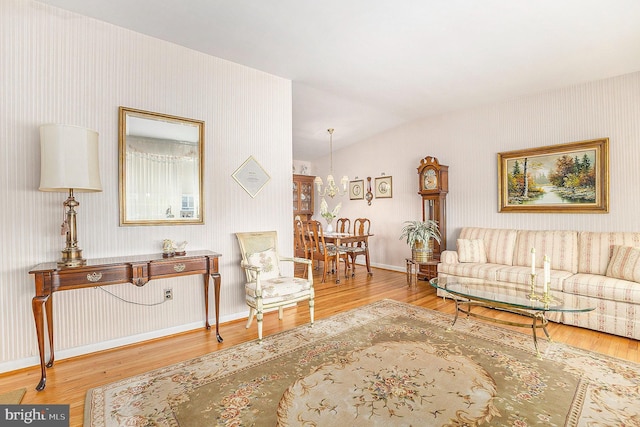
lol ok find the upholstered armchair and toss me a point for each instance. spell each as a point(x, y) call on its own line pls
point(266, 287)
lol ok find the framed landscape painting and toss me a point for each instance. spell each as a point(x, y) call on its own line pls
point(564, 178)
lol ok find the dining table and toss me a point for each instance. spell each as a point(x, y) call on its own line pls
point(341, 239)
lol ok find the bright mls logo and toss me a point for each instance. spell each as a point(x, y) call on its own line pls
point(34, 415)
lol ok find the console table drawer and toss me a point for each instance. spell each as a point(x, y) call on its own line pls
point(97, 277)
point(177, 267)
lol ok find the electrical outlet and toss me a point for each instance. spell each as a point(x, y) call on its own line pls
point(168, 293)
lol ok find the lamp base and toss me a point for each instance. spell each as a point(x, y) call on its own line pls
point(71, 258)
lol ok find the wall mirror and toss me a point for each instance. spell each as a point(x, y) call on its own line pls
point(161, 168)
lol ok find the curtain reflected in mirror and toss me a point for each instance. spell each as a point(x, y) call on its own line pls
point(161, 159)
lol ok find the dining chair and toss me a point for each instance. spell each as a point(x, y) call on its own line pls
point(320, 251)
point(361, 227)
point(266, 287)
point(299, 246)
point(343, 225)
point(301, 241)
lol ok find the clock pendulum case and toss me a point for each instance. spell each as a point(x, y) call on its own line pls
point(434, 186)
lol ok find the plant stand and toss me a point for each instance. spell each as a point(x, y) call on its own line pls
point(421, 270)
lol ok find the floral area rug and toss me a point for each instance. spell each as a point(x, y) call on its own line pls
point(386, 364)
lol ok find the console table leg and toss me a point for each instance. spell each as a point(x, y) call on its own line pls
point(206, 300)
point(216, 287)
point(48, 307)
point(36, 305)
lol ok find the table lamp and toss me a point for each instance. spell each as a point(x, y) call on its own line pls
point(68, 163)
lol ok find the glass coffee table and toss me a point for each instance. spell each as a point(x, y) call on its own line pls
point(509, 297)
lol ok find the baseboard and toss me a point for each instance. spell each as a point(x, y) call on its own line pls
point(119, 342)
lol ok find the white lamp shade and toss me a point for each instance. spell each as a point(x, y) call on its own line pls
point(69, 159)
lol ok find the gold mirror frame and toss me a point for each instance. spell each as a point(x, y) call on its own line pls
point(179, 199)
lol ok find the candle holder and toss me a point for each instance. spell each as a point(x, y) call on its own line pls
point(546, 298)
point(532, 292)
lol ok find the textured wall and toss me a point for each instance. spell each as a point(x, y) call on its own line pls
point(60, 67)
point(468, 142)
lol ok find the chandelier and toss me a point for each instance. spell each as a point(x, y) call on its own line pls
point(331, 189)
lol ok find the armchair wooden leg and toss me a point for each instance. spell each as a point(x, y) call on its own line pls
point(259, 321)
point(311, 309)
point(252, 313)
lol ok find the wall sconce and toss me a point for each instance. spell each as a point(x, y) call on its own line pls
point(68, 163)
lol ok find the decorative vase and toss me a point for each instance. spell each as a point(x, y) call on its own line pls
point(329, 227)
point(422, 252)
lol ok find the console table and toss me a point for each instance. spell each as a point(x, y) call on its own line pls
point(138, 270)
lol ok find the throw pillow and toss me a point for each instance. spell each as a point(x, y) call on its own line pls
point(625, 263)
point(471, 250)
point(267, 261)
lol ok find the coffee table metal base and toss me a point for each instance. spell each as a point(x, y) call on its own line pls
point(538, 320)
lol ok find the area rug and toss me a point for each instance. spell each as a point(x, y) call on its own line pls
point(12, 397)
point(386, 364)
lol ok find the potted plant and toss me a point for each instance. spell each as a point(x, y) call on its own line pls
point(420, 236)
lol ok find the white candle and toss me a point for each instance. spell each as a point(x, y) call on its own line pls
point(533, 260)
point(547, 274)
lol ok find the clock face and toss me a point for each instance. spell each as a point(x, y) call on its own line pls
point(430, 180)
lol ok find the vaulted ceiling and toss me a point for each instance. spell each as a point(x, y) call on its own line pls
point(365, 66)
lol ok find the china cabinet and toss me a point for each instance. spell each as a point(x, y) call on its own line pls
point(303, 196)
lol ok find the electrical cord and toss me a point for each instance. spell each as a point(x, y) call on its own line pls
point(130, 302)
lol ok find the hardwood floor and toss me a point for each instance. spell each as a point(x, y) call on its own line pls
point(68, 380)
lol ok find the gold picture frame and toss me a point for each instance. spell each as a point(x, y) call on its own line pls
point(383, 187)
point(356, 190)
point(563, 178)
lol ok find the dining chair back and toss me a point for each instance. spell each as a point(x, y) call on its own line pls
point(343, 225)
point(320, 251)
point(299, 244)
point(361, 226)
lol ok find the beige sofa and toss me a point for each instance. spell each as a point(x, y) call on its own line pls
point(601, 267)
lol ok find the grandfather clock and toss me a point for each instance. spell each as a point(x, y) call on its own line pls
point(434, 186)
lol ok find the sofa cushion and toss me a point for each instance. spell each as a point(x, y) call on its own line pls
point(279, 289)
point(595, 249)
point(449, 257)
point(625, 263)
point(471, 250)
point(268, 262)
point(522, 276)
point(474, 270)
point(561, 247)
point(498, 243)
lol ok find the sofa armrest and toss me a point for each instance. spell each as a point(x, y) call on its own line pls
point(449, 257)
